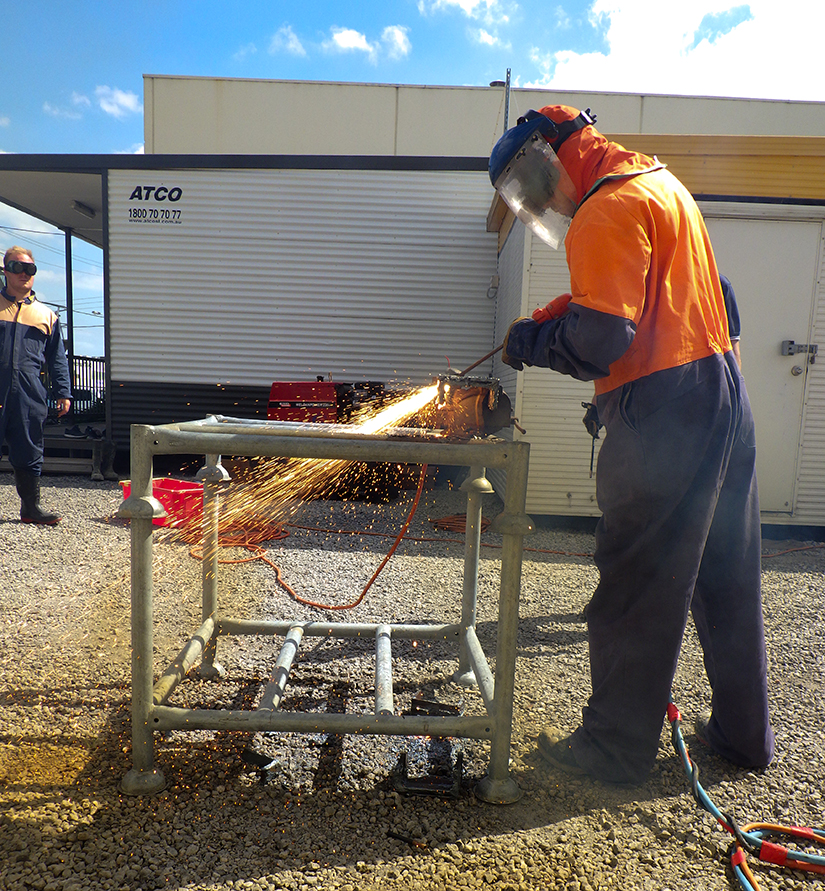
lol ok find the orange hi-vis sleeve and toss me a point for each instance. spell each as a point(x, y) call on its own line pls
point(638, 248)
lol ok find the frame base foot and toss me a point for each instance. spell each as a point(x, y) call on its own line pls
point(210, 671)
point(498, 791)
point(465, 678)
point(143, 782)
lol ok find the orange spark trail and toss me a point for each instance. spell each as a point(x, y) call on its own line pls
point(263, 498)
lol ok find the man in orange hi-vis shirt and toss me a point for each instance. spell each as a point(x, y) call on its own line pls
point(676, 484)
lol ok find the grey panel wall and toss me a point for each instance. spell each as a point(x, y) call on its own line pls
point(250, 276)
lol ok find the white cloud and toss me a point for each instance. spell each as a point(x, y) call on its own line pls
point(488, 11)
point(482, 10)
point(712, 47)
point(74, 112)
point(136, 149)
point(563, 20)
point(84, 280)
point(491, 14)
point(396, 41)
point(244, 52)
point(484, 38)
point(286, 40)
point(346, 39)
point(4, 120)
point(57, 112)
point(118, 103)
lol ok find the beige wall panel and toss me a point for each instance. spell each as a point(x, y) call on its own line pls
point(620, 112)
point(451, 122)
point(743, 117)
point(227, 116)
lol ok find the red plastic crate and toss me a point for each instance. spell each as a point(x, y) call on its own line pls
point(183, 500)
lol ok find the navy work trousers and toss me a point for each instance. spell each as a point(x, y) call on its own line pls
point(680, 530)
point(22, 430)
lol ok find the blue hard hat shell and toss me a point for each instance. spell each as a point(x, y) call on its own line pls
point(505, 149)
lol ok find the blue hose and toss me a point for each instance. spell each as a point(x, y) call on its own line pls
point(753, 839)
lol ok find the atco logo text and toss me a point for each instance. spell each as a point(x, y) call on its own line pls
point(159, 193)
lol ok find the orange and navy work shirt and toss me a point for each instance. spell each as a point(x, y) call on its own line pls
point(637, 248)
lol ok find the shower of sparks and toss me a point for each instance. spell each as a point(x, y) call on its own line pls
point(268, 493)
point(393, 414)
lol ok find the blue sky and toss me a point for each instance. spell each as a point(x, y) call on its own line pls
point(72, 81)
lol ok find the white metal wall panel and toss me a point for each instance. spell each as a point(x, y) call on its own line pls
point(508, 306)
point(260, 275)
point(810, 500)
point(548, 405)
point(552, 412)
point(773, 266)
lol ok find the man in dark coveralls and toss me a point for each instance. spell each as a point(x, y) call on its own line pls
point(30, 338)
point(680, 526)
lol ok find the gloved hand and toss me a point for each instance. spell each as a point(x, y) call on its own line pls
point(513, 349)
point(555, 309)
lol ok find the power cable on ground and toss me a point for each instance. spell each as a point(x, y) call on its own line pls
point(751, 838)
point(251, 540)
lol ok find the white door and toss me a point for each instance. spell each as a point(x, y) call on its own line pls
point(772, 266)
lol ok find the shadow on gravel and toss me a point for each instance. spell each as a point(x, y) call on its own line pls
point(325, 804)
point(217, 820)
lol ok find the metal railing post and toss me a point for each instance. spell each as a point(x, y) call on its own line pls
point(214, 478)
point(498, 786)
point(475, 486)
point(141, 507)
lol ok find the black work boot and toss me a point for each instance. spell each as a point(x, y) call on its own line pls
point(28, 488)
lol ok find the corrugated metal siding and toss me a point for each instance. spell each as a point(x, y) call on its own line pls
point(552, 412)
point(757, 166)
point(547, 405)
point(284, 274)
point(509, 305)
point(150, 402)
point(810, 499)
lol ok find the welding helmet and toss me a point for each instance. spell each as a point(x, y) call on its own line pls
point(526, 172)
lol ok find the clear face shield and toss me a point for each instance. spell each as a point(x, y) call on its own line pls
point(538, 190)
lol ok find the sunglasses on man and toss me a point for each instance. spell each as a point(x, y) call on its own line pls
point(18, 266)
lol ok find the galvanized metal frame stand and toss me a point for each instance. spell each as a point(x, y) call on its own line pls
point(218, 435)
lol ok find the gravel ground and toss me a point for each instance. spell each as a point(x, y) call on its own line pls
point(326, 812)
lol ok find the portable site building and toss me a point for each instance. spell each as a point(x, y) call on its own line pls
point(227, 278)
point(361, 244)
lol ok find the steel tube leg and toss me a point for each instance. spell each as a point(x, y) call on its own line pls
point(383, 671)
point(475, 486)
point(498, 786)
point(274, 692)
point(214, 478)
point(141, 507)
